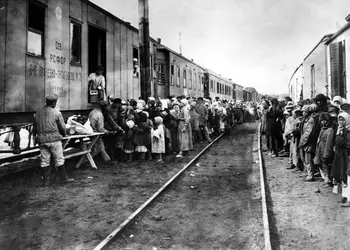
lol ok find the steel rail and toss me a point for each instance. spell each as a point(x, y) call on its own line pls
point(267, 235)
point(134, 214)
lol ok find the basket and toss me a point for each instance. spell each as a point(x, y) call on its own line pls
point(93, 96)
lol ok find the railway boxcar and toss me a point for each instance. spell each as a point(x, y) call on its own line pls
point(177, 75)
point(50, 47)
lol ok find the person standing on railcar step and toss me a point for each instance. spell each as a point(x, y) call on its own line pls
point(97, 82)
point(49, 129)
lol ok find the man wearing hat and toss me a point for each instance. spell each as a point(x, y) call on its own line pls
point(49, 129)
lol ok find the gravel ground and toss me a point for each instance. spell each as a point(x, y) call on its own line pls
point(303, 215)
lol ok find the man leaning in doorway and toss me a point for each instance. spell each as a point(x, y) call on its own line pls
point(97, 82)
point(49, 129)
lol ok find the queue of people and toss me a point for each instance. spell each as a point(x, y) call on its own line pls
point(140, 130)
point(314, 134)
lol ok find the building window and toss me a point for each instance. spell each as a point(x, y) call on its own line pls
point(190, 80)
point(36, 29)
point(135, 62)
point(172, 72)
point(218, 87)
point(185, 81)
point(75, 42)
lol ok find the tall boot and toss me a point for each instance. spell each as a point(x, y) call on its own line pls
point(45, 172)
point(63, 175)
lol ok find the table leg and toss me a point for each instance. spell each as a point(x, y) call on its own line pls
point(88, 155)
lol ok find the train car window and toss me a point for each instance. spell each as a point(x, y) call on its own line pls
point(202, 83)
point(185, 80)
point(190, 80)
point(135, 60)
point(178, 77)
point(194, 81)
point(161, 68)
point(36, 29)
point(75, 42)
point(172, 72)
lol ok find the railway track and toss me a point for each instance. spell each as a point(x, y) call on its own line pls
point(259, 174)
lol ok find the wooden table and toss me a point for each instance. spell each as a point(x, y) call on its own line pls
point(85, 149)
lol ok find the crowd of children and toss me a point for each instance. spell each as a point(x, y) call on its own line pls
point(314, 134)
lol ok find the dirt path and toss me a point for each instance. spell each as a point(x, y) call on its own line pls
point(214, 205)
point(80, 215)
point(303, 215)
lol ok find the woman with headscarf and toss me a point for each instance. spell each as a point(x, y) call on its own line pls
point(172, 121)
point(158, 137)
point(194, 121)
point(184, 130)
point(342, 147)
point(337, 101)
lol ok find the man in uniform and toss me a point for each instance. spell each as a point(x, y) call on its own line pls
point(49, 129)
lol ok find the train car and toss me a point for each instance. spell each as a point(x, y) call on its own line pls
point(237, 94)
point(51, 47)
point(247, 95)
point(177, 75)
point(218, 86)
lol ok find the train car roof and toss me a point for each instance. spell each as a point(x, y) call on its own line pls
point(163, 47)
point(128, 24)
point(251, 89)
point(219, 76)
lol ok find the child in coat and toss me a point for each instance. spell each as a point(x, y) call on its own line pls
point(324, 147)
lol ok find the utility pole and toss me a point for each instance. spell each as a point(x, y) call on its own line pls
point(145, 69)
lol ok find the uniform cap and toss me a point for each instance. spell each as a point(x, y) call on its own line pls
point(52, 98)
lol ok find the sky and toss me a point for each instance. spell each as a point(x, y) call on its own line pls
point(256, 43)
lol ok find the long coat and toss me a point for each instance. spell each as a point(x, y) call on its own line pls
point(324, 146)
point(340, 162)
point(184, 130)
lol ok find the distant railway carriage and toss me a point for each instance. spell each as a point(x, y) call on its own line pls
point(218, 86)
point(177, 75)
point(237, 92)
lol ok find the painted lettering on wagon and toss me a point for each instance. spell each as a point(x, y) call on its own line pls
point(57, 59)
point(39, 71)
